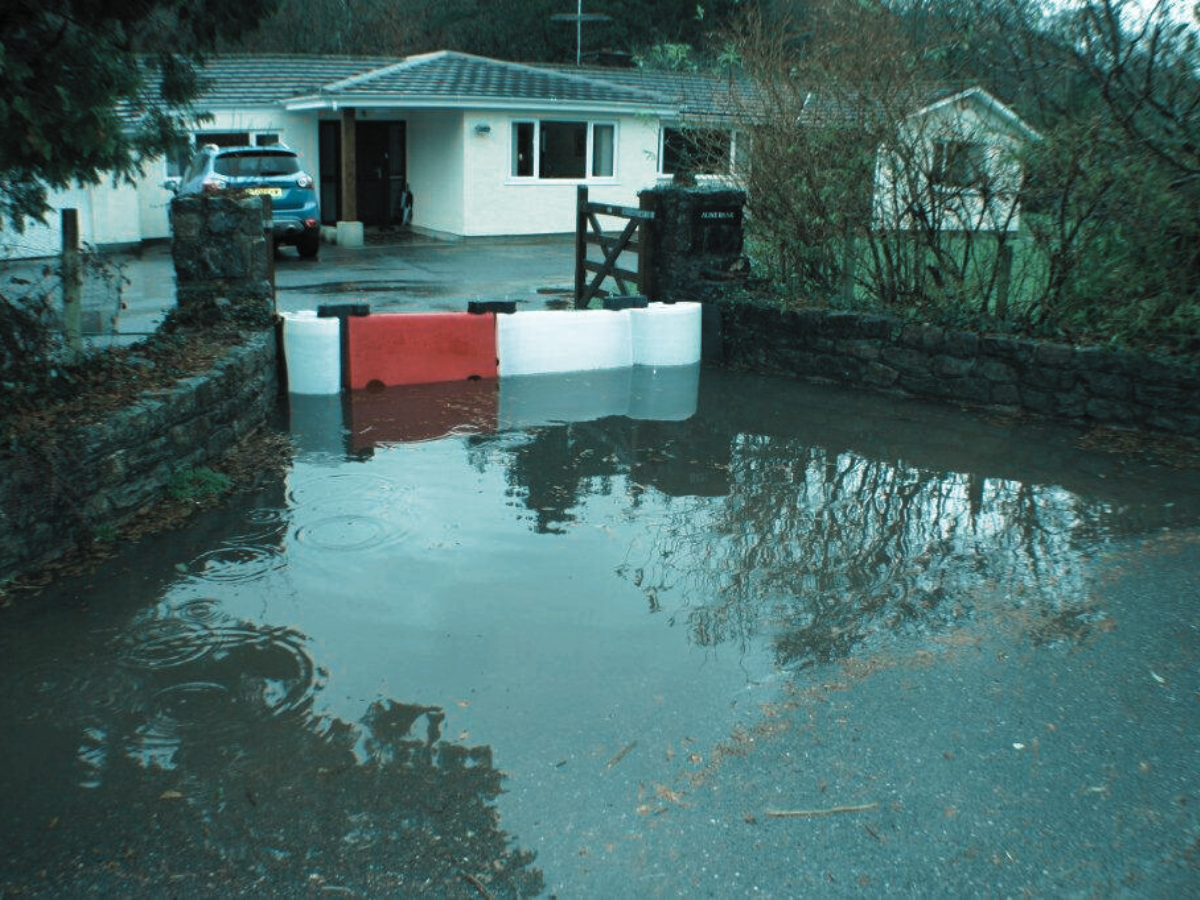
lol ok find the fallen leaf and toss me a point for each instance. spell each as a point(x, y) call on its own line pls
point(170, 795)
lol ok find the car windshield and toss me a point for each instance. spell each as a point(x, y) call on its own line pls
point(256, 163)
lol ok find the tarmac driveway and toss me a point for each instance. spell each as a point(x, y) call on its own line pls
point(401, 272)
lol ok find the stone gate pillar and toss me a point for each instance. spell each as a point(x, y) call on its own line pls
point(698, 240)
point(224, 260)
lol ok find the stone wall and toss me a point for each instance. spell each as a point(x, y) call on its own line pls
point(1085, 384)
point(224, 259)
point(91, 478)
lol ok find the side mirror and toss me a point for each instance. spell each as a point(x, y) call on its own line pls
point(172, 184)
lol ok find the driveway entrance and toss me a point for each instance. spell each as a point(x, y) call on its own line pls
point(395, 271)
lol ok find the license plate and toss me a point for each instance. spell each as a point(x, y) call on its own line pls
point(265, 192)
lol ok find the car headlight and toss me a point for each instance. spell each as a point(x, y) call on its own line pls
point(304, 180)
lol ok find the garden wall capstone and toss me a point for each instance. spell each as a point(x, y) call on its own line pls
point(89, 478)
point(1083, 384)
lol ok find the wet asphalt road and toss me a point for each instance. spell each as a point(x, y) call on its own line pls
point(400, 272)
point(1001, 760)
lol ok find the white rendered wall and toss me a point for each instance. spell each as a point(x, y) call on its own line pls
point(497, 203)
point(436, 170)
point(39, 240)
point(115, 215)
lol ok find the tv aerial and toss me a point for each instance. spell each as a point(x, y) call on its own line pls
point(579, 17)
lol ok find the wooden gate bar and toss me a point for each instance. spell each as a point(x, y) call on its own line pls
point(634, 237)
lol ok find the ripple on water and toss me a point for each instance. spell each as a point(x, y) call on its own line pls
point(165, 644)
point(212, 676)
point(235, 563)
point(331, 493)
point(348, 532)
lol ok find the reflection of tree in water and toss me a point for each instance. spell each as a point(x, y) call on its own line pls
point(203, 768)
point(551, 470)
point(822, 549)
point(827, 550)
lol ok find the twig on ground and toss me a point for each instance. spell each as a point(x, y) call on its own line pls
point(620, 756)
point(817, 813)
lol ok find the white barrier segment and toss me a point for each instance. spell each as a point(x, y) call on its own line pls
point(666, 334)
point(527, 401)
point(313, 353)
point(317, 424)
point(664, 394)
point(538, 342)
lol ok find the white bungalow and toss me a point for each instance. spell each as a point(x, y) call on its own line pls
point(486, 147)
point(954, 166)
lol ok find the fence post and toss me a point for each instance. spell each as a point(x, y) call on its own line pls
point(581, 224)
point(72, 280)
point(1003, 277)
point(646, 231)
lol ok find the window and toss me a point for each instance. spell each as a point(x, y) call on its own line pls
point(178, 156)
point(223, 138)
point(959, 165)
point(254, 163)
point(701, 151)
point(603, 141)
point(554, 150)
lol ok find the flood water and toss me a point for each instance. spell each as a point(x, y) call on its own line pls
point(581, 635)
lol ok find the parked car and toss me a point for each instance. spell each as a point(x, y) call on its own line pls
point(274, 171)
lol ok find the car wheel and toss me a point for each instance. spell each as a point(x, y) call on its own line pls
point(309, 244)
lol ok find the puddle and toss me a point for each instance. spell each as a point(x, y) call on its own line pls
point(488, 640)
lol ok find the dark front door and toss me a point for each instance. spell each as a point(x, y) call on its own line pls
point(380, 171)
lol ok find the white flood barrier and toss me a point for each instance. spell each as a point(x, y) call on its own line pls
point(527, 401)
point(318, 426)
point(538, 342)
point(312, 348)
point(667, 394)
point(666, 334)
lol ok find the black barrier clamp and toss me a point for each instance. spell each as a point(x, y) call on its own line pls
point(630, 301)
point(479, 307)
point(341, 310)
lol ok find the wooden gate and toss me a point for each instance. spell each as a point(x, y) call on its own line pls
point(635, 237)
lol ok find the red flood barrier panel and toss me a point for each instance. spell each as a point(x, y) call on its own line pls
point(424, 412)
point(419, 348)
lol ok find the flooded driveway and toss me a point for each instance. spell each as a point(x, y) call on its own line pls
point(565, 637)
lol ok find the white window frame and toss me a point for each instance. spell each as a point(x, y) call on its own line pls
point(589, 153)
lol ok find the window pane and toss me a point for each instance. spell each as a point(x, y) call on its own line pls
point(701, 151)
point(959, 164)
point(223, 138)
point(522, 149)
point(674, 150)
point(564, 150)
point(178, 156)
point(253, 163)
point(602, 150)
point(265, 140)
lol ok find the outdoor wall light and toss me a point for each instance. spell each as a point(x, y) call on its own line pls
point(483, 129)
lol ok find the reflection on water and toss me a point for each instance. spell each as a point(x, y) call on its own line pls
point(317, 688)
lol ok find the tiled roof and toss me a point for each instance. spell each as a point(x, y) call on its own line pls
point(693, 94)
point(460, 76)
point(256, 80)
